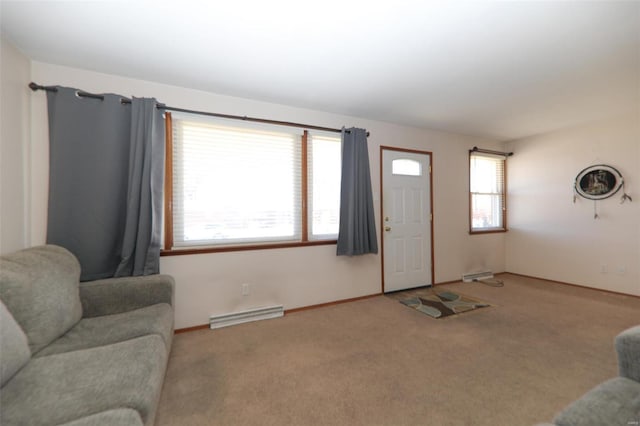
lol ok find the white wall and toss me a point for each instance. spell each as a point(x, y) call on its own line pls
point(14, 136)
point(211, 283)
point(550, 236)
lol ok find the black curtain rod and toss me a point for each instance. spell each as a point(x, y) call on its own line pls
point(489, 151)
point(33, 86)
point(253, 119)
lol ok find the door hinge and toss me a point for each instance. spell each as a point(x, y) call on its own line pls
point(431, 217)
point(429, 169)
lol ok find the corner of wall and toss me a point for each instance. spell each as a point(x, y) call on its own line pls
point(15, 139)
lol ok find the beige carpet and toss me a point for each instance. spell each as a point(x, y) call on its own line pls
point(376, 362)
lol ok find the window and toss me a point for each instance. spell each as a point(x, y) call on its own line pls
point(246, 185)
point(487, 203)
point(406, 167)
point(324, 160)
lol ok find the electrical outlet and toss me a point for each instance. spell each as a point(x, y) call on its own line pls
point(604, 269)
point(245, 289)
point(621, 270)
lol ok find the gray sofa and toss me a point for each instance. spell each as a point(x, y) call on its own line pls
point(80, 354)
point(616, 401)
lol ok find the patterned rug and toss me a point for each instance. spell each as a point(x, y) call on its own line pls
point(442, 305)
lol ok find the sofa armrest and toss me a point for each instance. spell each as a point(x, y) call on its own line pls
point(628, 348)
point(116, 295)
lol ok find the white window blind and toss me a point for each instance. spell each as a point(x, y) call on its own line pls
point(487, 192)
point(234, 185)
point(324, 163)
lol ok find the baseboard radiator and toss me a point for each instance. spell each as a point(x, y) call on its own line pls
point(225, 320)
point(477, 276)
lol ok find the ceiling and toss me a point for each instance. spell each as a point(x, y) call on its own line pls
point(497, 69)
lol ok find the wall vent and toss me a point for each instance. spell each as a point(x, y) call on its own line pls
point(477, 276)
point(219, 321)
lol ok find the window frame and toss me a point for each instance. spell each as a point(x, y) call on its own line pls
point(504, 227)
point(168, 248)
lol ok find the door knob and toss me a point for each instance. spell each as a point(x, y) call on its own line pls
point(387, 228)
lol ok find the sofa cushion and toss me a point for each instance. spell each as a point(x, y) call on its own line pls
point(628, 349)
point(61, 388)
point(614, 402)
point(39, 286)
point(120, 417)
point(14, 345)
point(108, 329)
point(115, 295)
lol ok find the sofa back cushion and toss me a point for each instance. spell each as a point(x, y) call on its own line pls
point(39, 286)
point(628, 348)
point(15, 348)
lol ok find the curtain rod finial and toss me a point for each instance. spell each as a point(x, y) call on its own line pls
point(34, 86)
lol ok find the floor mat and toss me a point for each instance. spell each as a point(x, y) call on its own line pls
point(442, 305)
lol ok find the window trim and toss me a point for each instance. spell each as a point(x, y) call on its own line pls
point(167, 246)
point(505, 227)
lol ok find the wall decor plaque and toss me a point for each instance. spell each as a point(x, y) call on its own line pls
point(598, 182)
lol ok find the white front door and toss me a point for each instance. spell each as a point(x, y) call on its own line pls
point(406, 219)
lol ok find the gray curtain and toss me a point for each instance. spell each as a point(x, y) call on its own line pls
point(357, 233)
point(142, 231)
point(106, 173)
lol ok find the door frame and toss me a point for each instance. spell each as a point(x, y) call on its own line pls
point(413, 151)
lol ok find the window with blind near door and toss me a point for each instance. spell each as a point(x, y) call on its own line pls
point(245, 184)
point(487, 200)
